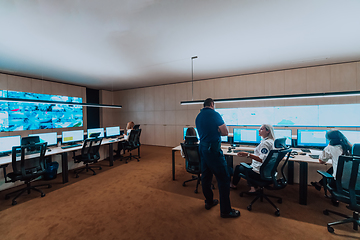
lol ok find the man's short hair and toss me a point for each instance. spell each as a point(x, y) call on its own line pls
point(207, 102)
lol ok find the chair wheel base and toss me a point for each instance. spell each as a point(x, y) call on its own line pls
point(277, 213)
point(330, 229)
point(43, 195)
point(100, 168)
point(196, 191)
point(14, 203)
point(184, 184)
point(249, 208)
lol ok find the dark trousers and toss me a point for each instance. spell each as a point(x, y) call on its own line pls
point(213, 163)
point(240, 169)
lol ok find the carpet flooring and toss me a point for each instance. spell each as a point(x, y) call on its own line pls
point(139, 200)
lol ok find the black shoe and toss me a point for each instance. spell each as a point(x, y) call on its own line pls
point(233, 214)
point(316, 185)
point(209, 206)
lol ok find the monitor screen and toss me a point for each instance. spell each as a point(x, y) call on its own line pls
point(6, 143)
point(72, 136)
point(50, 138)
point(112, 131)
point(95, 130)
point(246, 135)
point(352, 136)
point(197, 134)
point(284, 133)
point(224, 139)
point(311, 138)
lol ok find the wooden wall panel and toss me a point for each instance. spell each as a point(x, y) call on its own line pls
point(295, 81)
point(343, 77)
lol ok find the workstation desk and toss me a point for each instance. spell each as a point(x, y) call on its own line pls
point(51, 151)
point(303, 161)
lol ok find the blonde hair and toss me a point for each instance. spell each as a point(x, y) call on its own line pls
point(269, 128)
point(130, 125)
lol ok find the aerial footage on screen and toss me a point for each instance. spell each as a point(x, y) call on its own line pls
point(314, 115)
point(18, 116)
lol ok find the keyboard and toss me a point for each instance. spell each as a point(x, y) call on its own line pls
point(238, 150)
point(314, 156)
point(71, 146)
point(305, 150)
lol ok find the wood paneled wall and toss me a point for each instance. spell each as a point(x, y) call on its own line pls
point(162, 118)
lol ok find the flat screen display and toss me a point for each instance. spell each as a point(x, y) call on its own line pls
point(19, 116)
point(352, 136)
point(197, 134)
point(50, 138)
point(72, 136)
point(246, 135)
point(112, 131)
point(95, 130)
point(6, 143)
point(224, 139)
point(284, 133)
point(311, 138)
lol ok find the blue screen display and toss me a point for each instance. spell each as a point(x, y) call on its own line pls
point(246, 135)
point(311, 138)
point(19, 116)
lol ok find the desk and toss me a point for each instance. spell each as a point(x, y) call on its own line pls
point(5, 161)
point(303, 160)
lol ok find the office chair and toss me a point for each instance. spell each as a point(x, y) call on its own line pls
point(345, 188)
point(131, 144)
point(280, 143)
point(137, 126)
point(27, 170)
point(89, 154)
point(192, 162)
point(269, 177)
point(355, 151)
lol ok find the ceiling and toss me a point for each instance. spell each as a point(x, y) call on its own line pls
point(122, 44)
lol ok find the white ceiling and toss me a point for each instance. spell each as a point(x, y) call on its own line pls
point(121, 44)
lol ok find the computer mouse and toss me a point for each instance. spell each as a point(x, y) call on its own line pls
point(49, 150)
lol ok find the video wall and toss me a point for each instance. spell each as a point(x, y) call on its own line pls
point(18, 116)
point(336, 115)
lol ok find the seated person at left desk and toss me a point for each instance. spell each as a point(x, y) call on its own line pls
point(129, 127)
point(189, 132)
point(260, 153)
point(338, 145)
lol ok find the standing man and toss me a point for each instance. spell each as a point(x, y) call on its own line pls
point(211, 126)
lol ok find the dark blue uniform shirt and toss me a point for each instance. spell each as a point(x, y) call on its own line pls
point(207, 124)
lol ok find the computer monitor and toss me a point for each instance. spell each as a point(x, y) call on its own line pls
point(246, 135)
point(30, 140)
point(311, 138)
point(50, 138)
point(6, 143)
point(72, 136)
point(95, 130)
point(224, 139)
point(197, 134)
point(352, 136)
point(112, 131)
point(284, 133)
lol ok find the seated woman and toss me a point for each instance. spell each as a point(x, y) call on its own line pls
point(189, 132)
point(260, 153)
point(129, 127)
point(338, 145)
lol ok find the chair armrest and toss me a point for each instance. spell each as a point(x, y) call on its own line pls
point(4, 171)
point(245, 165)
point(325, 174)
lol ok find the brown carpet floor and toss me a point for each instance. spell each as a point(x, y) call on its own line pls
point(139, 200)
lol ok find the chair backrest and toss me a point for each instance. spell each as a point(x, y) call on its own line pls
point(192, 158)
point(90, 150)
point(191, 139)
point(269, 168)
point(280, 143)
point(134, 137)
point(32, 167)
point(137, 126)
point(348, 179)
point(355, 151)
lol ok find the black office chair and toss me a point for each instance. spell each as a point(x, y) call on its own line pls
point(355, 151)
point(346, 189)
point(89, 154)
point(131, 144)
point(192, 162)
point(137, 126)
point(280, 143)
point(270, 178)
point(27, 170)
